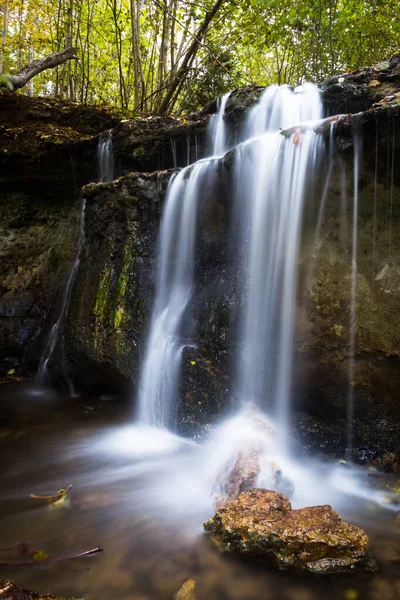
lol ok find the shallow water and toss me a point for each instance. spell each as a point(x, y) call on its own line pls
point(141, 495)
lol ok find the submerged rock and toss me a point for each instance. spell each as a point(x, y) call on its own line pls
point(261, 524)
point(241, 477)
point(250, 465)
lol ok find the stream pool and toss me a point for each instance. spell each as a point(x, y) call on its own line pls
point(140, 496)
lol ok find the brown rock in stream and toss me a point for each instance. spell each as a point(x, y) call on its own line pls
point(261, 524)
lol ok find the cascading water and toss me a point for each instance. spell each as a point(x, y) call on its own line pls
point(273, 171)
point(174, 287)
point(281, 107)
point(277, 190)
point(106, 171)
point(105, 157)
point(273, 168)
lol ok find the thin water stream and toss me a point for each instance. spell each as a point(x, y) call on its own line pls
point(106, 172)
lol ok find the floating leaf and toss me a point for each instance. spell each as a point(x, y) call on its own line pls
point(40, 555)
point(351, 594)
point(60, 497)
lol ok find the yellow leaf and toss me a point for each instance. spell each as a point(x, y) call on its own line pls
point(40, 555)
point(351, 594)
point(374, 83)
point(192, 362)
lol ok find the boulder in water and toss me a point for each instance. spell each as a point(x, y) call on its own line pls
point(261, 524)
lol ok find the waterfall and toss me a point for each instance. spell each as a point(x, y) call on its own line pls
point(217, 130)
point(174, 288)
point(52, 338)
point(105, 157)
point(272, 169)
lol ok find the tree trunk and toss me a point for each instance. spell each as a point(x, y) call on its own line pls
point(4, 38)
point(139, 83)
point(190, 54)
point(37, 66)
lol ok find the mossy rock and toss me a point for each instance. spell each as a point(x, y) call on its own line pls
point(261, 524)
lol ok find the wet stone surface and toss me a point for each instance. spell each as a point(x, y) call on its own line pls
point(261, 524)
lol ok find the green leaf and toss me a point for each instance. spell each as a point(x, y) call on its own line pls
point(11, 372)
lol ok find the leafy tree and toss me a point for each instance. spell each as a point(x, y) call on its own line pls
point(150, 56)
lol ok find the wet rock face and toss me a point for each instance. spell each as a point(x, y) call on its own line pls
point(323, 320)
point(260, 524)
point(112, 299)
point(155, 143)
point(37, 246)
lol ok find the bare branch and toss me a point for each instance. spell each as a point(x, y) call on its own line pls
point(37, 66)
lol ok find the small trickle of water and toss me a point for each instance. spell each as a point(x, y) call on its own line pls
point(353, 297)
point(105, 157)
point(217, 128)
point(43, 373)
point(106, 173)
point(173, 152)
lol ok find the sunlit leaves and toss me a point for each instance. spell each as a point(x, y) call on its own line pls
point(255, 41)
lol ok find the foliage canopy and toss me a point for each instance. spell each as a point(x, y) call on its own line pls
point(138, 54)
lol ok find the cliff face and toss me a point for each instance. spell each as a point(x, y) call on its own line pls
point(47, 151)
point(106, 325)
point(325, 317)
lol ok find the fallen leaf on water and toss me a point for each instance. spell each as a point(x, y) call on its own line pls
point(57, 498)
point(351, 594)
point(40, 555)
